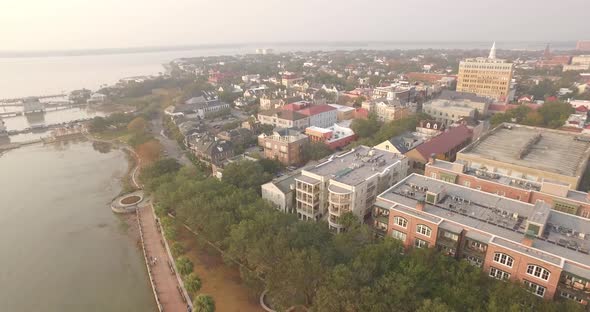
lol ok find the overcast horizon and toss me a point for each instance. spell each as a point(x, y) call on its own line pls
point(36, 25)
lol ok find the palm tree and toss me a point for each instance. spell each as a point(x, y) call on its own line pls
point(204, 303)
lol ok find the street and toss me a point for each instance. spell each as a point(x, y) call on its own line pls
point(170, 147)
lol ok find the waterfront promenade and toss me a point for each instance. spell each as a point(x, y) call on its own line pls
point(168, 291)
point(162, 274)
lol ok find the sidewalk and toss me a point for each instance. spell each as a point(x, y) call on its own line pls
point(164, 279)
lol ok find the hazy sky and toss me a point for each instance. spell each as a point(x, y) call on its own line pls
point(82, 24)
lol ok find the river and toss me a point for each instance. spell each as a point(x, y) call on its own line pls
point(63, 249)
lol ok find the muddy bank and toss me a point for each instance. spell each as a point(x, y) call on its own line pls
point(219, 280)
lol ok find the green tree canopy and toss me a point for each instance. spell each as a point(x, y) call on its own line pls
point(184, 265)
point(204, 303)
point(316, 151)
point(245, 174)
point(192, 282)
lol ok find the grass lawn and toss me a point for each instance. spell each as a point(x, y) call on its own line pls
point(120, 135)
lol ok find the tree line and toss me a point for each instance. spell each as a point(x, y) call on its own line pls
point(549, 115)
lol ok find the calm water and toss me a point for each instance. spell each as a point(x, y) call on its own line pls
point(50, 117)
point(62, 248)
point(26, 76)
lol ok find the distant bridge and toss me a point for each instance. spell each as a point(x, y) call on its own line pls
point(20, 101)
point(47, 107)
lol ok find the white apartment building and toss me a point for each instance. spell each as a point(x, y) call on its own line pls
point(322, 116)
point(349, 182)
point(280, 193)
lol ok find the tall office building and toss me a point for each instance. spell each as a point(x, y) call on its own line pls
point(489, 77)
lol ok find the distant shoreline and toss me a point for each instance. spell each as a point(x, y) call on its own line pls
point(296, 46)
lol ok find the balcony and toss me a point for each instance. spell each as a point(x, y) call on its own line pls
point(383, 219)
point(339, 199)
point(333, 221)
point(579, 286)
point(338, 209)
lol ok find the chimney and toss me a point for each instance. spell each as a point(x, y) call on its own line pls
point(432, 159)
point(420, 205)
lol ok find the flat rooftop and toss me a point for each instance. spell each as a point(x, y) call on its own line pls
point(504, 219)
point(549, 150)
point(355, 166)
point(507, 180)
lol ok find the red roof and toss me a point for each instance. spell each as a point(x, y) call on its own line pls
point(445, 141)
point(505, 107)
point(290, 107)
point(498, 107)
point(581, 108)
point(571, 129)
point(361, 113)
point(316, 109)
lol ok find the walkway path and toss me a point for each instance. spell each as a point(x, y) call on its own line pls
point(170, 296)
point(162, 273)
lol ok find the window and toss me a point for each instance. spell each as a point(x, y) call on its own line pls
point(424, 230)
point(538, 272)
point(503, 259)
point(477, 246)
point(430, 198)
point(400, 222)
point(571, 297)
point(535, 289)
point(451, 236)
point(433, 175)
point(499, 274)
point(475, 261)
point(399, 235)
point(565, 207)
point(420, 243)
point(467, 184)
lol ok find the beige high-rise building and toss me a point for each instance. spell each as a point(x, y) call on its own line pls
point(489, 77)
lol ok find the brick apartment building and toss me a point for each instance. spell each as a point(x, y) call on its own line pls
point(544, 249)
point(284, 145)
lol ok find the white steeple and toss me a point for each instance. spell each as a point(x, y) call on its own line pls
point(493, 51)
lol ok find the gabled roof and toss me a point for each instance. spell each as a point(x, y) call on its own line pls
point(283, 114)
point(444, 142)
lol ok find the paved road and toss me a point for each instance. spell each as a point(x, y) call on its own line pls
point(165, 281)
point(170, 146)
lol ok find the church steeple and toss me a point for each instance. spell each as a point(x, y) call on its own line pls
point(547, 53)
point(493, 51)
